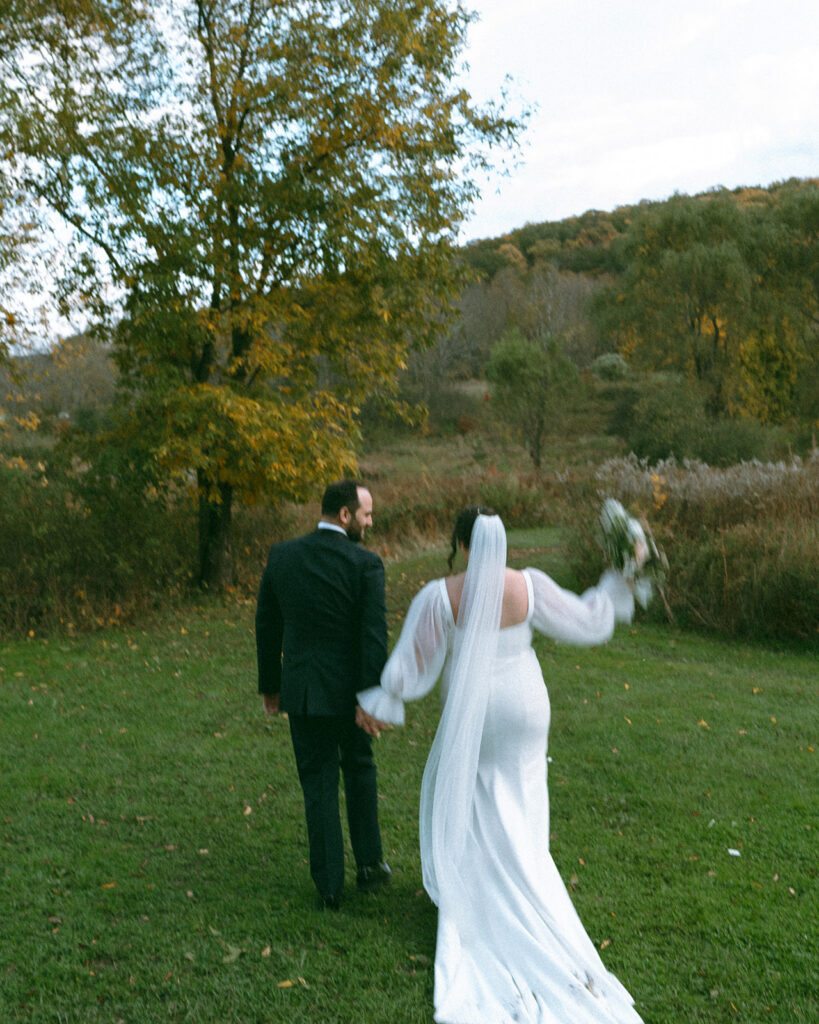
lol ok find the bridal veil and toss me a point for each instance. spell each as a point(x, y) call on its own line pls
point(448, 787)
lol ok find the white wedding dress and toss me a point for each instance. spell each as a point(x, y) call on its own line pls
point(510, 945)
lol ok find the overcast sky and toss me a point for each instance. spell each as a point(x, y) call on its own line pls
point(639, 99)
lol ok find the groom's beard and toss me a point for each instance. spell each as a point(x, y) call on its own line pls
point(355, 532)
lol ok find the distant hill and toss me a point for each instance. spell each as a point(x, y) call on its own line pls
point(588, 243)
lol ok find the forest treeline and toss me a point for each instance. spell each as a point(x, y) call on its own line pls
point(719, 292)
point(720, 288)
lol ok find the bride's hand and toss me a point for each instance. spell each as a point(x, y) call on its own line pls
point(372, 726)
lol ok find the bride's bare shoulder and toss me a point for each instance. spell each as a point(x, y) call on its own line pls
point(515, 596)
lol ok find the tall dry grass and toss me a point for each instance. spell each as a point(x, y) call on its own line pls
point(742, 542)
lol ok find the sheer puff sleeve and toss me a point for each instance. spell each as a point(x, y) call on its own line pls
point(583, 620)
point(417, 659)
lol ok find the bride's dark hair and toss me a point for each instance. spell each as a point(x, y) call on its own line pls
point(462, 534)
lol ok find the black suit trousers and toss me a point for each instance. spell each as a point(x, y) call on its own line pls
point(322, 745)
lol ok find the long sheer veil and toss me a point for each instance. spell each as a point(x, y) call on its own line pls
point(448, 786)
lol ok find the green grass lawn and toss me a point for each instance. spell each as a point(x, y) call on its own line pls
point(153, 848)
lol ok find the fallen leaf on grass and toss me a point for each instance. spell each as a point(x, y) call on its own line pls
point(605, 943)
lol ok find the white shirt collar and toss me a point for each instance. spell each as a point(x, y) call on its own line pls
point(332, 526)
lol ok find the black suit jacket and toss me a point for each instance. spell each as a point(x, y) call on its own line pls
point(321, 631)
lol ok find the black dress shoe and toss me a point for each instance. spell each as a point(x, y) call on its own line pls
point(373, 877)
point(331, 902)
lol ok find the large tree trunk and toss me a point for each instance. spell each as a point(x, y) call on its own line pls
point(215, 550)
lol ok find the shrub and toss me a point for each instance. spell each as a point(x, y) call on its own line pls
point(756, 579)
point(80, 553)
point(665, 417)
point(726, 441)
point(610, 366)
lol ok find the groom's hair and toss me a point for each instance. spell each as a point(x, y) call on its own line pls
point(338, 495)
point(462, 534)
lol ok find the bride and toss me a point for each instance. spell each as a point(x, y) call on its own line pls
point(510, 945)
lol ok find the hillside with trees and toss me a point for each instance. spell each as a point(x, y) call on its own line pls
point(721, 289)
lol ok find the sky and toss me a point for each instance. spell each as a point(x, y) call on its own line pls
point(641, 99)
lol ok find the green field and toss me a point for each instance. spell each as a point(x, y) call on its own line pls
point(153, 846)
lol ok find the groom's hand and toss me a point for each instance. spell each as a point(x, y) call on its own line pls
point(372, 726)
point(270, 703)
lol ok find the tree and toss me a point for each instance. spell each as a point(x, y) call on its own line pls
point(18, 234)
point(272, 190)
point(534, 383)
point(683, 298)
point(780, 361)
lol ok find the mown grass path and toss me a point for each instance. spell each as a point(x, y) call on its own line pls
point(153, 851)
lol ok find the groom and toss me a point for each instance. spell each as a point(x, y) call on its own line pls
point(321, 636)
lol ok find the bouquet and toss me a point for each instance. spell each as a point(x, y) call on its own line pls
point(629, 548)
